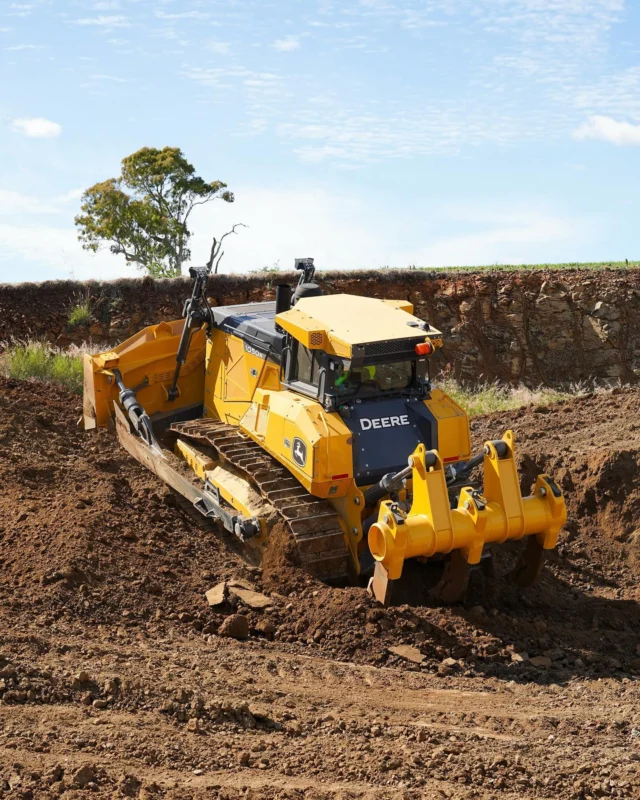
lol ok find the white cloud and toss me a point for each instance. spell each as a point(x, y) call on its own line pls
point(287, 45)
point(21, 9)
point(17, 47)
point(615, 94)
point(358, 132)
point(529, 88)
point(289, 223)
point(52, 254)
point(502, 236)
point(182, 15)
point(343, 231)
point(609, 130)
point(12, 202)
point(103, 21)
point(67, 197)
point(532, 88)
point(113, 78)
point(340, 230)
point(36, 127)
point(362, 134)
point(219, 48)
point(229, 77)
point(17, 203)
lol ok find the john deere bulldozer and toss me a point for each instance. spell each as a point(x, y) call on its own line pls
point(318, 412)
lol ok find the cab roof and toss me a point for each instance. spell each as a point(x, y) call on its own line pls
point(351, 326)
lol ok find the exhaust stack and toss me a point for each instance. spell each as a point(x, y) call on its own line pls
point(283, 301)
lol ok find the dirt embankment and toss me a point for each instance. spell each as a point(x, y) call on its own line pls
point(535, 327)
point(115, 676)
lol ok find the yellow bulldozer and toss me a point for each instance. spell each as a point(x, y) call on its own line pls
point(318, 412)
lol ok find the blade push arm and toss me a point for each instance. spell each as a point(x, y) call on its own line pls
point(137, 415)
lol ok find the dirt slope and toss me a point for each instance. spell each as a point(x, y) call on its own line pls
point(114, 677)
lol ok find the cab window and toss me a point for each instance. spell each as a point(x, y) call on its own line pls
point(373, 379)
point(307, 368)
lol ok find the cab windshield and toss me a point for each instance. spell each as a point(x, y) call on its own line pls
point(372, 380)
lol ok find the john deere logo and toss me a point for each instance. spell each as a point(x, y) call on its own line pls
point(299, 452)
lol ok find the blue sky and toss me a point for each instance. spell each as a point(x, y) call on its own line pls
point(362, 132)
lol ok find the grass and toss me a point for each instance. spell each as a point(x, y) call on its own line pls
point(80, 315)
point(40, 361)
point(594, 265)
point(82, 311)
point(489, 397)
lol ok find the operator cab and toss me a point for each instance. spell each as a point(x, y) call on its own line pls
point(381, 402)
point(338, 382)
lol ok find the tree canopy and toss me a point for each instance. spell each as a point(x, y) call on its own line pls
point(143, 214)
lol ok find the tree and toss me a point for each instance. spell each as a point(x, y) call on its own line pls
point(143, 214)
point(216, 249)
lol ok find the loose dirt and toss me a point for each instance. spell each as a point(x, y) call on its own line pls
point(117, 679)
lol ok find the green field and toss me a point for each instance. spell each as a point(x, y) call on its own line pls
point(593, 265)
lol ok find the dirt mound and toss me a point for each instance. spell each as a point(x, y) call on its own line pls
point(609, 494)
point(591, 446)
point(114, 678)
point(90, 536)
point(281, 564)
point(85, 531)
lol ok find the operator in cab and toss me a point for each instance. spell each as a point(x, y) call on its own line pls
point(372, 379)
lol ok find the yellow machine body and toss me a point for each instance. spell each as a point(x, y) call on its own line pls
point(339, 322)
point(226, 378)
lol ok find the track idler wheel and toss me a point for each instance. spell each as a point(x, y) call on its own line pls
point(530, 563)
point(454, 580)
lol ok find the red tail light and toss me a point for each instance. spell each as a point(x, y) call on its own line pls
point(424, 349)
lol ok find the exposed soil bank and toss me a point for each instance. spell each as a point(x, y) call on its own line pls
point(535, 327)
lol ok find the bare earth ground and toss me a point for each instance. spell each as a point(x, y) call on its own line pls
point(116, 683)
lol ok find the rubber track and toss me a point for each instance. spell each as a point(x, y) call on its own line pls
point(312, 521)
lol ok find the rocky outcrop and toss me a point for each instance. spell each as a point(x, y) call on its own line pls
point(531, 326)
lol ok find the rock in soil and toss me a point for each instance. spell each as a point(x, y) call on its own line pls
point(235, 626)
point(217, 595)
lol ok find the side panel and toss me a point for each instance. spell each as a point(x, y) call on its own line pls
point(314, 445)
point(454, 437)
point(234, 370)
